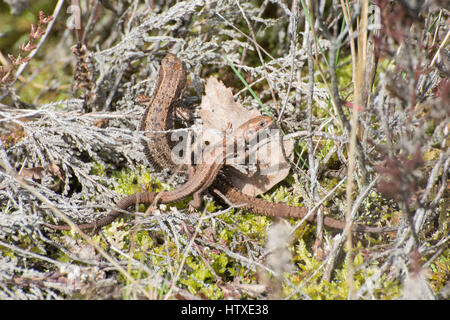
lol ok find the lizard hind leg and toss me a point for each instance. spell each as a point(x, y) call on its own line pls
point(195, 203)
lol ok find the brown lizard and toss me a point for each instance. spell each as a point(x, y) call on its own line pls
point(160, 111)
point(224, 187)
point(199, 181)
point(157, 117)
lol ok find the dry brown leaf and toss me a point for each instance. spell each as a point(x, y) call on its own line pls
point(54, 169)
point(101, 123)
point(35, 173)
point(217, 109)
point(272, 168)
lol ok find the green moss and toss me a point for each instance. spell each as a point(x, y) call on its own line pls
point(200, 278)
point(48, 75)
point(439, 271)
point(316, 288)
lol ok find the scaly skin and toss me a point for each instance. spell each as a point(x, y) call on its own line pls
point(159, 114)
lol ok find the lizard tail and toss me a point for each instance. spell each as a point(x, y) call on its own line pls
point(145, 197)
point(281, 210)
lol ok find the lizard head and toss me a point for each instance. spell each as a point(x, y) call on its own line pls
point(171, 62)
point(253, 126)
